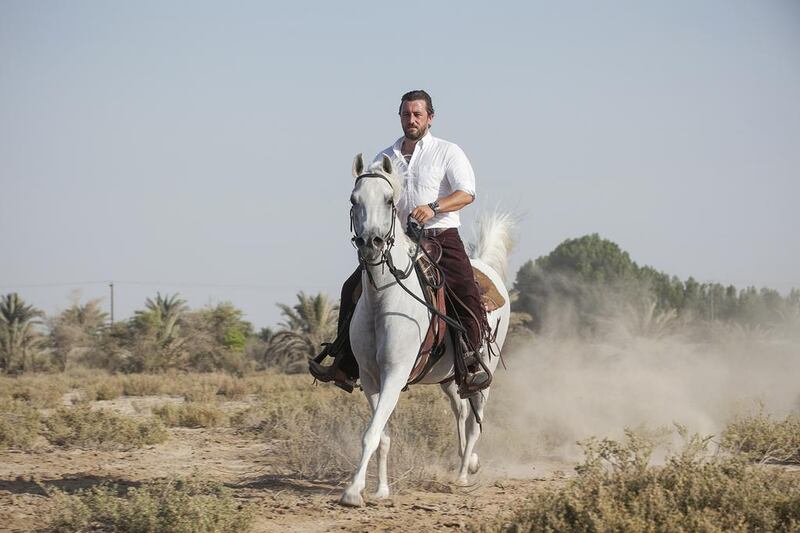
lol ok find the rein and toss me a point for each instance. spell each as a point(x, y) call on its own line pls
point(386, 257)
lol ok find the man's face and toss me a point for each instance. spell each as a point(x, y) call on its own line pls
point(414, 119)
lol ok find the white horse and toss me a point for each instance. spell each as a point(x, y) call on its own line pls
point(388, 324)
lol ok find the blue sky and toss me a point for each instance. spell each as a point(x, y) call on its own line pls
point(205, 147)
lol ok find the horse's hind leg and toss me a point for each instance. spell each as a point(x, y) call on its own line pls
point(459, 411)
point(387, 400)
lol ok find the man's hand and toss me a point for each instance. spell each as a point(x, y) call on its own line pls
point(422, 214)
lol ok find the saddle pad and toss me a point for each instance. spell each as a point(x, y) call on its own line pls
point(490, 296)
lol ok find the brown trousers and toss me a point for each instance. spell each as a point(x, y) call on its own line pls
point(457, 273)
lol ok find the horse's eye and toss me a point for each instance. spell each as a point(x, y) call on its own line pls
point(390, 201)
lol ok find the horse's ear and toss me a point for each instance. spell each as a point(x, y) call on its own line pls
point(358, 165)
point(386, 164)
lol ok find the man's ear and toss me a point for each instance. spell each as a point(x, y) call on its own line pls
point(386, 164)
point(358, 165)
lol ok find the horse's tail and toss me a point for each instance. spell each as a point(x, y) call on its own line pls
point(495, 242)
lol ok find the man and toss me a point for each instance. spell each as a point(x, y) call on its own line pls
point(439, 182)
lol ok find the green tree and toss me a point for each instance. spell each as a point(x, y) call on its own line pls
point(154, 334)
point(19, 340)
point(306, 326)
point(217, 338)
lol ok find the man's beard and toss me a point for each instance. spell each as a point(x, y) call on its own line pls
point(415, 136)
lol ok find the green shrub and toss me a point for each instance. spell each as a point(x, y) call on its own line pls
point(616, 489)
point(158, 507)
point(763, 439)
point(19, 424)
point(82, 427)
point(191, 415)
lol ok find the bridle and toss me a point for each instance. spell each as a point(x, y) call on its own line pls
point(388, 239)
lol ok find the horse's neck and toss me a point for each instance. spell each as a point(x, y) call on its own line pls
point(386, 288)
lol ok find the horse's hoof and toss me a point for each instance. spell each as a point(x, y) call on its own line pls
point(462, 481)
point(351, 500)
point(381, 494)
point(474, 464)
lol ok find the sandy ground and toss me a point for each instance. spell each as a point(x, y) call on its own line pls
point(256, 474)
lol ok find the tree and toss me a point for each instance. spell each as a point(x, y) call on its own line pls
point(306, 326)
point(217, 337)
point(77, 331)
point(155, 334)
point(19, 340)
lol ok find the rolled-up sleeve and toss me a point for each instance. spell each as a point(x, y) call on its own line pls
point(459, 171)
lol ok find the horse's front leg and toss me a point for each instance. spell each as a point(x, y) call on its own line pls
point(390, 388)
point(370, 387)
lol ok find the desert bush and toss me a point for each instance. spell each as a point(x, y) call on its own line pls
point(19, 424)
point(200, 391)
point(190, 415)
point(318, 429)
point(763, 439)
point(40, 391)
point(617, 489)
point(80, 426)
point(145, 384)
point(107, 389)
point(232, 388)
point(158, 507)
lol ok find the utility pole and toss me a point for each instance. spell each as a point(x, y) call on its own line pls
point(111, 285)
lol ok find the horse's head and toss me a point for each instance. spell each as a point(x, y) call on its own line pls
point(374, 213)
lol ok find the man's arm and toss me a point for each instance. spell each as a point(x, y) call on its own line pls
point(452, 202)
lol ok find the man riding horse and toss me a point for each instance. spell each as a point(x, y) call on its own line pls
point(439, 182)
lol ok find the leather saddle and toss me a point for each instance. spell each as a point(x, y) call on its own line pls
point(433, 345)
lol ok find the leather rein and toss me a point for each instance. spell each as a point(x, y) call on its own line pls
point(386, 257)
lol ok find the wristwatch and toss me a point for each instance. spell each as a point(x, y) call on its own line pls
point(434, 207)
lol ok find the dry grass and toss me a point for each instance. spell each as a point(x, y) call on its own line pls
point(318, 429)
point(617, 489)
point(159, 507)
point(39, 391)
point(19, 424)
point(763, 439)
point(190, 415)
point(145, 385)
point(82, 427)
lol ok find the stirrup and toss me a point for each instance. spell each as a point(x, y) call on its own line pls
point(331, 373)
point(473, 383)
point(475, 380)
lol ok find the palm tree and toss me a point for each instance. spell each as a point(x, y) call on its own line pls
point(156, 332)
point(77, 330)
point(307, 325)
point(18, 336)
point(164, 313)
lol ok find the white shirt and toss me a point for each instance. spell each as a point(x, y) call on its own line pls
point(437, 168)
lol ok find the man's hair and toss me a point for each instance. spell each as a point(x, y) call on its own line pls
point(417, 95)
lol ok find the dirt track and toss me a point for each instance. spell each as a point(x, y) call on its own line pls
point(256, 475)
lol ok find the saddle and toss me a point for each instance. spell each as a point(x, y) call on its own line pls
point(433, 345)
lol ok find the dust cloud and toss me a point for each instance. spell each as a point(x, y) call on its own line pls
point(639, 370)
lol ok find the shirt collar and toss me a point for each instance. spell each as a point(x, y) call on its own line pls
point(426, 139)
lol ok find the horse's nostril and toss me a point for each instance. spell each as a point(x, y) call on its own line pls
point(359, 241)
point(377, 241)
